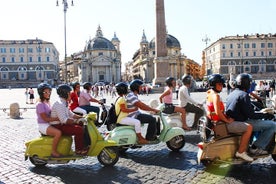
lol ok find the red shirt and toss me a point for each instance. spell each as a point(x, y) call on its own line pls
point(74, 101)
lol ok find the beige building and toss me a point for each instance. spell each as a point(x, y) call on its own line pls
point(254, 54)
point(26, 63)
point(99, 61)
point(142, 64)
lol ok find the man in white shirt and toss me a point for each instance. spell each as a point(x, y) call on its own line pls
point(185, 100)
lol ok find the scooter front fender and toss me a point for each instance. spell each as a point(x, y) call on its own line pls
point(100, 145)
point(172, 132)
point(124, 135)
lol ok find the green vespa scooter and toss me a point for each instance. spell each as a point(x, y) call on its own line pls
point(125, 135)
point(39, 150)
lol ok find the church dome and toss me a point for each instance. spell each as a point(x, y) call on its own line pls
point(171, 42)
point(99, 42)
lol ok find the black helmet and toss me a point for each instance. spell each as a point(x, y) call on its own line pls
point(87, 85)
point(40, 89)
point(75, 84)
point(243, 81)
point(215, 78)
point(169, 81)
point(121, 88)
point(63, 90)
point(187, 79)
point(135, 84)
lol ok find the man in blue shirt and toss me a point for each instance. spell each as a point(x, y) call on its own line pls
point(238, 107)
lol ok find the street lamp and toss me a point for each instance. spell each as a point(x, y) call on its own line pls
point(65, 7)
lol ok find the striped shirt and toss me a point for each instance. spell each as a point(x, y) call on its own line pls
point(131, 99)
point(60, 110)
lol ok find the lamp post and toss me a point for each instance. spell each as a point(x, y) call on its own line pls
point(65, 7)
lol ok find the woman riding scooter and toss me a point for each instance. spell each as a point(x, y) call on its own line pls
point(122, 111)
point(215, 112)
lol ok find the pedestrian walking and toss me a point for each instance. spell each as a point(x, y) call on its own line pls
point(31, 93)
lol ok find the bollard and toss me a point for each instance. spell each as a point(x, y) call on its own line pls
point(14, 111)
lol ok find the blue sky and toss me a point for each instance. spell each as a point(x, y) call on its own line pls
point(187, 20)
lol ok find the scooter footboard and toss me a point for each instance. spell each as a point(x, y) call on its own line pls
point(174, 131)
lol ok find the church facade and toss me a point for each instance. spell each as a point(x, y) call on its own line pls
point(100, 61)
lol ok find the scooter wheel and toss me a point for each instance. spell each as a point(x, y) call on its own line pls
point(176, 143)
point(37, 162)
point(109, 156)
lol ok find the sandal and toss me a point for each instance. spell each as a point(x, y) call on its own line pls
point(82, 152)
point(187, 128)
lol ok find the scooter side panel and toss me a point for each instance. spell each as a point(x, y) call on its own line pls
point(100, 145)
point(222, 149)
point(42, 146)
point(123, 136)
point(172, 132)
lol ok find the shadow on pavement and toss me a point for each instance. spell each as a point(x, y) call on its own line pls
point(96, 173)
point(246, 173)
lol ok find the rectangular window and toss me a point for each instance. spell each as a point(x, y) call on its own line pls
point(239, 54)
point(12, 50)
point(262, 53)
point(270, 45)
point(21, 59)
point(246, 45)
point(262, 45)
point(254, 53)
point(246, 54)
point(270, 53)
point(4, 76)
point(30, 50)
point(21, 50)
point(47, 50)
point(3, 60)
point(223, 54)
point(3, 50)
point(253, 45)
point(30, 59)
point(239, 46)
point(48, 59)
point(39, 59)
point(231, 54)
point(223, 46)
point(12, 59)
point(231, 46)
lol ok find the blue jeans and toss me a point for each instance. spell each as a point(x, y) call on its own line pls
point(266, 129)
point(90, 108)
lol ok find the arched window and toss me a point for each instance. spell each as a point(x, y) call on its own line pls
point(39, 72)
point(262, 66)
point(4, 73)
point(22, 73)
point(247, 66)
point(232, 67)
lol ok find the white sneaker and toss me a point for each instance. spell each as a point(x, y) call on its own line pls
point(244, 156)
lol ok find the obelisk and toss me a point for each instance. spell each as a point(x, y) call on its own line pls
point(161, 64)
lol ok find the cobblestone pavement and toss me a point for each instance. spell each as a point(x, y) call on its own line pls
point(149, 164)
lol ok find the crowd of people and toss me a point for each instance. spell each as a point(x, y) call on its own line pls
point(238, 112)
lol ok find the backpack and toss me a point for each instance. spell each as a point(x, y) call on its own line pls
point(112, 117)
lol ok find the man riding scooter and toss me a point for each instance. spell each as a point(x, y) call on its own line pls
point(133, 101)
point(238, 107)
